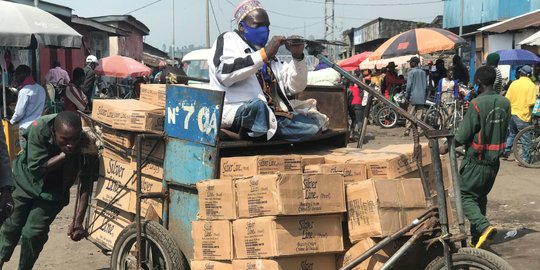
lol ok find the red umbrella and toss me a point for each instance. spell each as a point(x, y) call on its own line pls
point(121, 67)
point(354, 61)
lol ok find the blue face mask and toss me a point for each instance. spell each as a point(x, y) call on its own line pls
point(257, 36)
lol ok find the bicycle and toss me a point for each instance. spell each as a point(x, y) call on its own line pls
point(531, 136)
point(386, 116)
point(435, 115)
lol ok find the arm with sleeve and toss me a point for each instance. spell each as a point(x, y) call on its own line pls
point(20, 108)
point(232, 68)
point(294, 75)
point(37, 154)
point(410, 79)
point(468, 127)
point(79, 102)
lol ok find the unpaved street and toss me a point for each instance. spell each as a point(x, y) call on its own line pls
point(514, 204)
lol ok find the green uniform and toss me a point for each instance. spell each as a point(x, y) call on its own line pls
point(39, 195)
point(483, 132)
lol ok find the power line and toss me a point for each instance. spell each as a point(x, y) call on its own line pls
point(214, 14)
point(145, 6)
point(373, 5)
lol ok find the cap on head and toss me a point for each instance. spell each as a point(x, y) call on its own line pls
point(244, 8)
point(526, 69)
point(414, 59)
point(92, 59)
point(493, 59)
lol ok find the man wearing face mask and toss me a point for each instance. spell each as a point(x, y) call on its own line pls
point(44, 172)
point(256, 84)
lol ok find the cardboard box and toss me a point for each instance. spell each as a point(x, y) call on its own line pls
point(375, 262)
point(377, 208)
point(152, 148)
point(312, 160)
point(290, 194)
point(238, 167)
point(217, 200)
point(116, 168)
point(128, 114)
point(153, 94)
point(212, 240)
point(351, 172)
point(114, 192)
point(152, 169)
point(386, 163)
point(429, 171)
point(211, 265)
point(118, 139)
point(155, 205)
point(108, 224)
point(267, 237)
point(317, 262)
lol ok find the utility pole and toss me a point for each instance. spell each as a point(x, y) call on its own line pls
point(461, 26)
point(173, 41)
point(329, 26)
point(207, 24)
point(36, 2)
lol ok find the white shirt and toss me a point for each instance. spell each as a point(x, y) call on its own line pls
point(233, 65)
point(30, 103)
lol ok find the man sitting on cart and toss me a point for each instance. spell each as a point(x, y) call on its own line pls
point(44, 172)
point(256, 83)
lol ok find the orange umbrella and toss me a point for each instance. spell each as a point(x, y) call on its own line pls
point(352, 63)
point(121, 67)
point(418, 41)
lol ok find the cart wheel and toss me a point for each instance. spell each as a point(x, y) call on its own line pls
point(471, 258)
point(387, 118)
point(531, 134)
point(159, 250)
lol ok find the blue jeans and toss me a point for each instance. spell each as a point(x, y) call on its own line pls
point(515, 125)
point(252, 116)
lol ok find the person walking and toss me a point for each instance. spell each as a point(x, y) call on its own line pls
point(44, 172)
point(75, 99)
point(89, 83)
point(522, 96)
point(483, 133)
point(30, 101)
point(415, 91)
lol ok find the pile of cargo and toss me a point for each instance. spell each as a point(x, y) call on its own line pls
point(289, 212)
point(116, 198)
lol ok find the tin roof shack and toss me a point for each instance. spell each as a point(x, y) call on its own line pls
point(152, 55)
point(130, 45)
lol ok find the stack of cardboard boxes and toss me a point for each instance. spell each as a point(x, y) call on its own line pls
point(284, 212)
point(115, 191)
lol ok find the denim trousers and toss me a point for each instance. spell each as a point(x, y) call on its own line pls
point(253, 117)
point(515, 125)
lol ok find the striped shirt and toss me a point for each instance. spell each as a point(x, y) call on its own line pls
point(74, 99)
point(498, 86)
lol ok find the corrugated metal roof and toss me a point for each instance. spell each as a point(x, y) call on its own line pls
point(531, 19)
point(533, 40)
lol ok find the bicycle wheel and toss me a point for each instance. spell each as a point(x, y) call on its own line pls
point(434, 118)
point(159, 251)
point(532, 135)
point(387, 118)
point(471, 258)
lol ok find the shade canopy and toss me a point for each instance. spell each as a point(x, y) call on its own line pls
point(121, 67)
point(533, 40)
point(418, 41)
point(25, 26)
point(354, 61)
point(517, 57)
point(398, 60)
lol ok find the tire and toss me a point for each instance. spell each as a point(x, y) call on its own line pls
point(387, 118)
point(434, 118)
point(160, 249)
point(534, 132)
point(471, 258)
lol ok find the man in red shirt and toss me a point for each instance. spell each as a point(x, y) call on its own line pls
point(391, 80)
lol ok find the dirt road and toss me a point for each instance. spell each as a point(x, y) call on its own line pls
point(514, 204)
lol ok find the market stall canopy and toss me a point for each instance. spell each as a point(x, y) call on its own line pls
point(380, 63)
point(418, 41)
point(533, 40)
point(517, 57)
point(121, 67)
point(352, 63)
point(26, 26)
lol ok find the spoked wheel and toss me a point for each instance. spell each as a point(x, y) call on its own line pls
point(528, 139)
point(387, 118)
point(472, 259)
point(434, 118)
point(158, 249)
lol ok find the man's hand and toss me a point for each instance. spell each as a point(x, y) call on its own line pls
point(443, 149)
point(272, 47)
point(6, 203)
point(76, 232)
point(295, 45)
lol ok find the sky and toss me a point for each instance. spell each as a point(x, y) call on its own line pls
point(287, 17)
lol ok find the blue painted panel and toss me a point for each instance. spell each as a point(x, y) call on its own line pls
point(186, 163)
point(193, 114)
